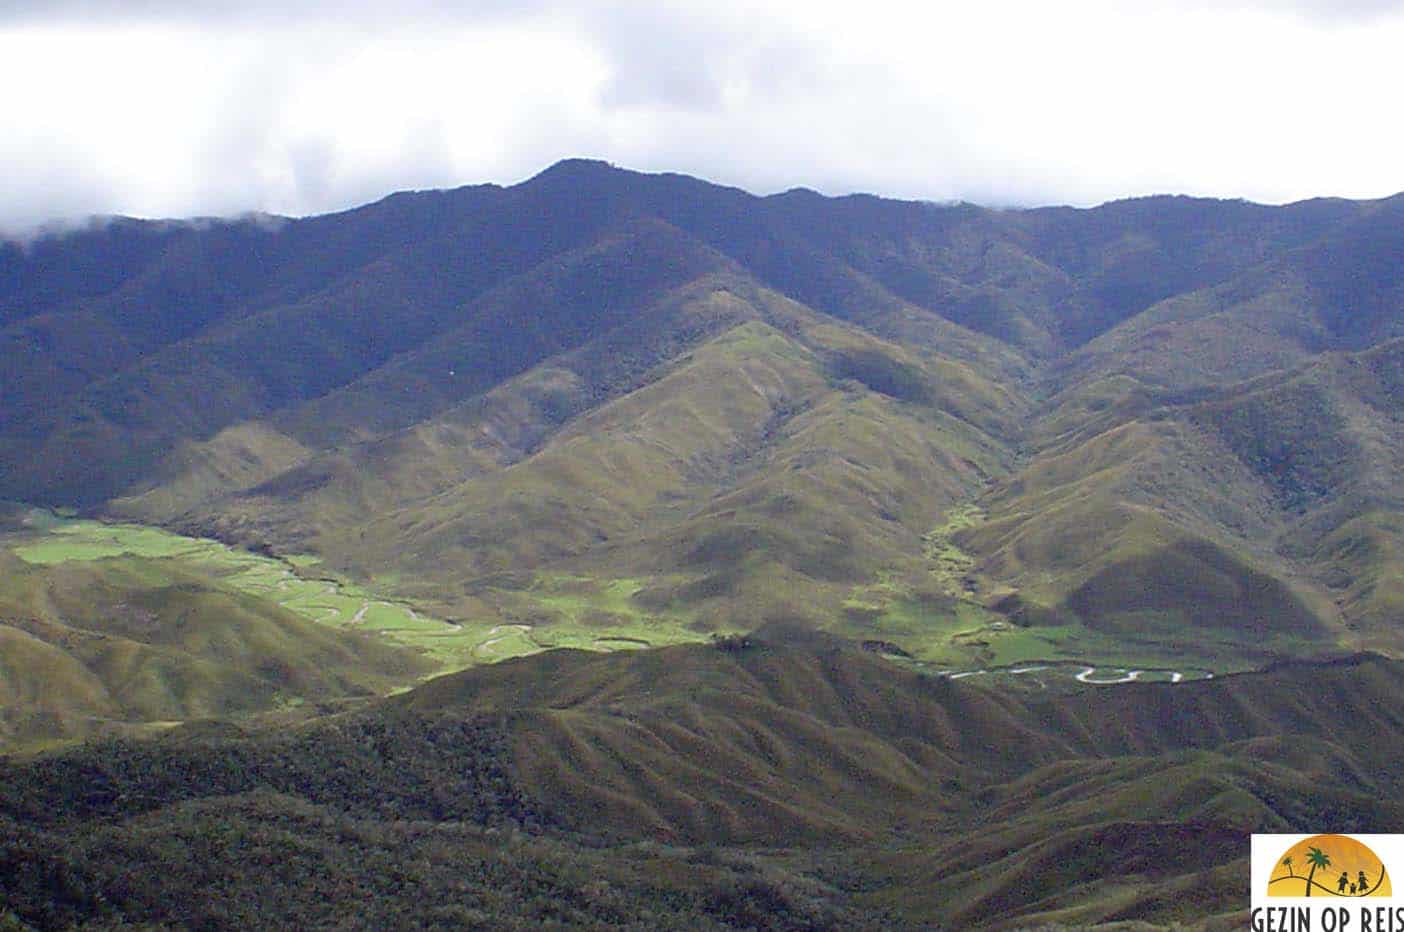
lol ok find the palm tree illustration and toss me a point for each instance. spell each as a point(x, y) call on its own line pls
point(1316, 858)
point(1287, 863)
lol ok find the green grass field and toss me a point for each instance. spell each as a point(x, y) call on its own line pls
point(947, 631)
point(967, 637)
point(588, 613)
point(939, 617)
point(575, 612)
point(62, 541)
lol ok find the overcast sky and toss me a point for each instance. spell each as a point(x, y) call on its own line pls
point(165, 108)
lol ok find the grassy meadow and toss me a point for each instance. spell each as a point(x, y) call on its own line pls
point(932, 616)
point(564, 611)
point(932, 619)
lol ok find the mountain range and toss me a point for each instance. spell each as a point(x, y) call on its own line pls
point(1163, 413)
point(938, 564)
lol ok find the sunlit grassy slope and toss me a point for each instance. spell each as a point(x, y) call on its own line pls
point(784, 455)
point(116, 627)
point(817, 473)
point(108, 625)
point(66, 564)
point(610, 410)
point(1261, 511)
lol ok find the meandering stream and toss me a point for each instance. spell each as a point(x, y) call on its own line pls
point(1088, 674)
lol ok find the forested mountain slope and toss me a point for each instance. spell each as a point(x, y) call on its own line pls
point(777, 781)
point(936, 566)
point(1165, 428)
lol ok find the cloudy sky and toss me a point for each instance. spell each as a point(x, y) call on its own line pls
point(162, 108)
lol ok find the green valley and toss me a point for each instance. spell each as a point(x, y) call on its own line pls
point(569, 611)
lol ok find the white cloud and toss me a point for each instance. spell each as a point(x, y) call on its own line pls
point(178, 109)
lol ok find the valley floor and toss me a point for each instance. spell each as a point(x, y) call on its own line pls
point(84, 575)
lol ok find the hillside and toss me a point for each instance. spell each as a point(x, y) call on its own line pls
point(782, 781)
point(1209, 509)
point(122, 642)
point(267, 472)
point(610, 409)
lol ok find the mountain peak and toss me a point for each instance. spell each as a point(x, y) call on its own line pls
point(577, 168)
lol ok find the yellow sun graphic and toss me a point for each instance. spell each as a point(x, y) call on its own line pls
point(1329, 865)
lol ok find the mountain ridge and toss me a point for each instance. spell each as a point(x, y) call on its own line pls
point(624, 550)
point(677, 769)
point(607, 401)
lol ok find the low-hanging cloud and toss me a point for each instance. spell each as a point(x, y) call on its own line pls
point(274, 12)
point(1322, 11)
point(167, 109)
point(220, 13)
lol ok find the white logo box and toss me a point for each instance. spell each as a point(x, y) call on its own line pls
point(1323, 912)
